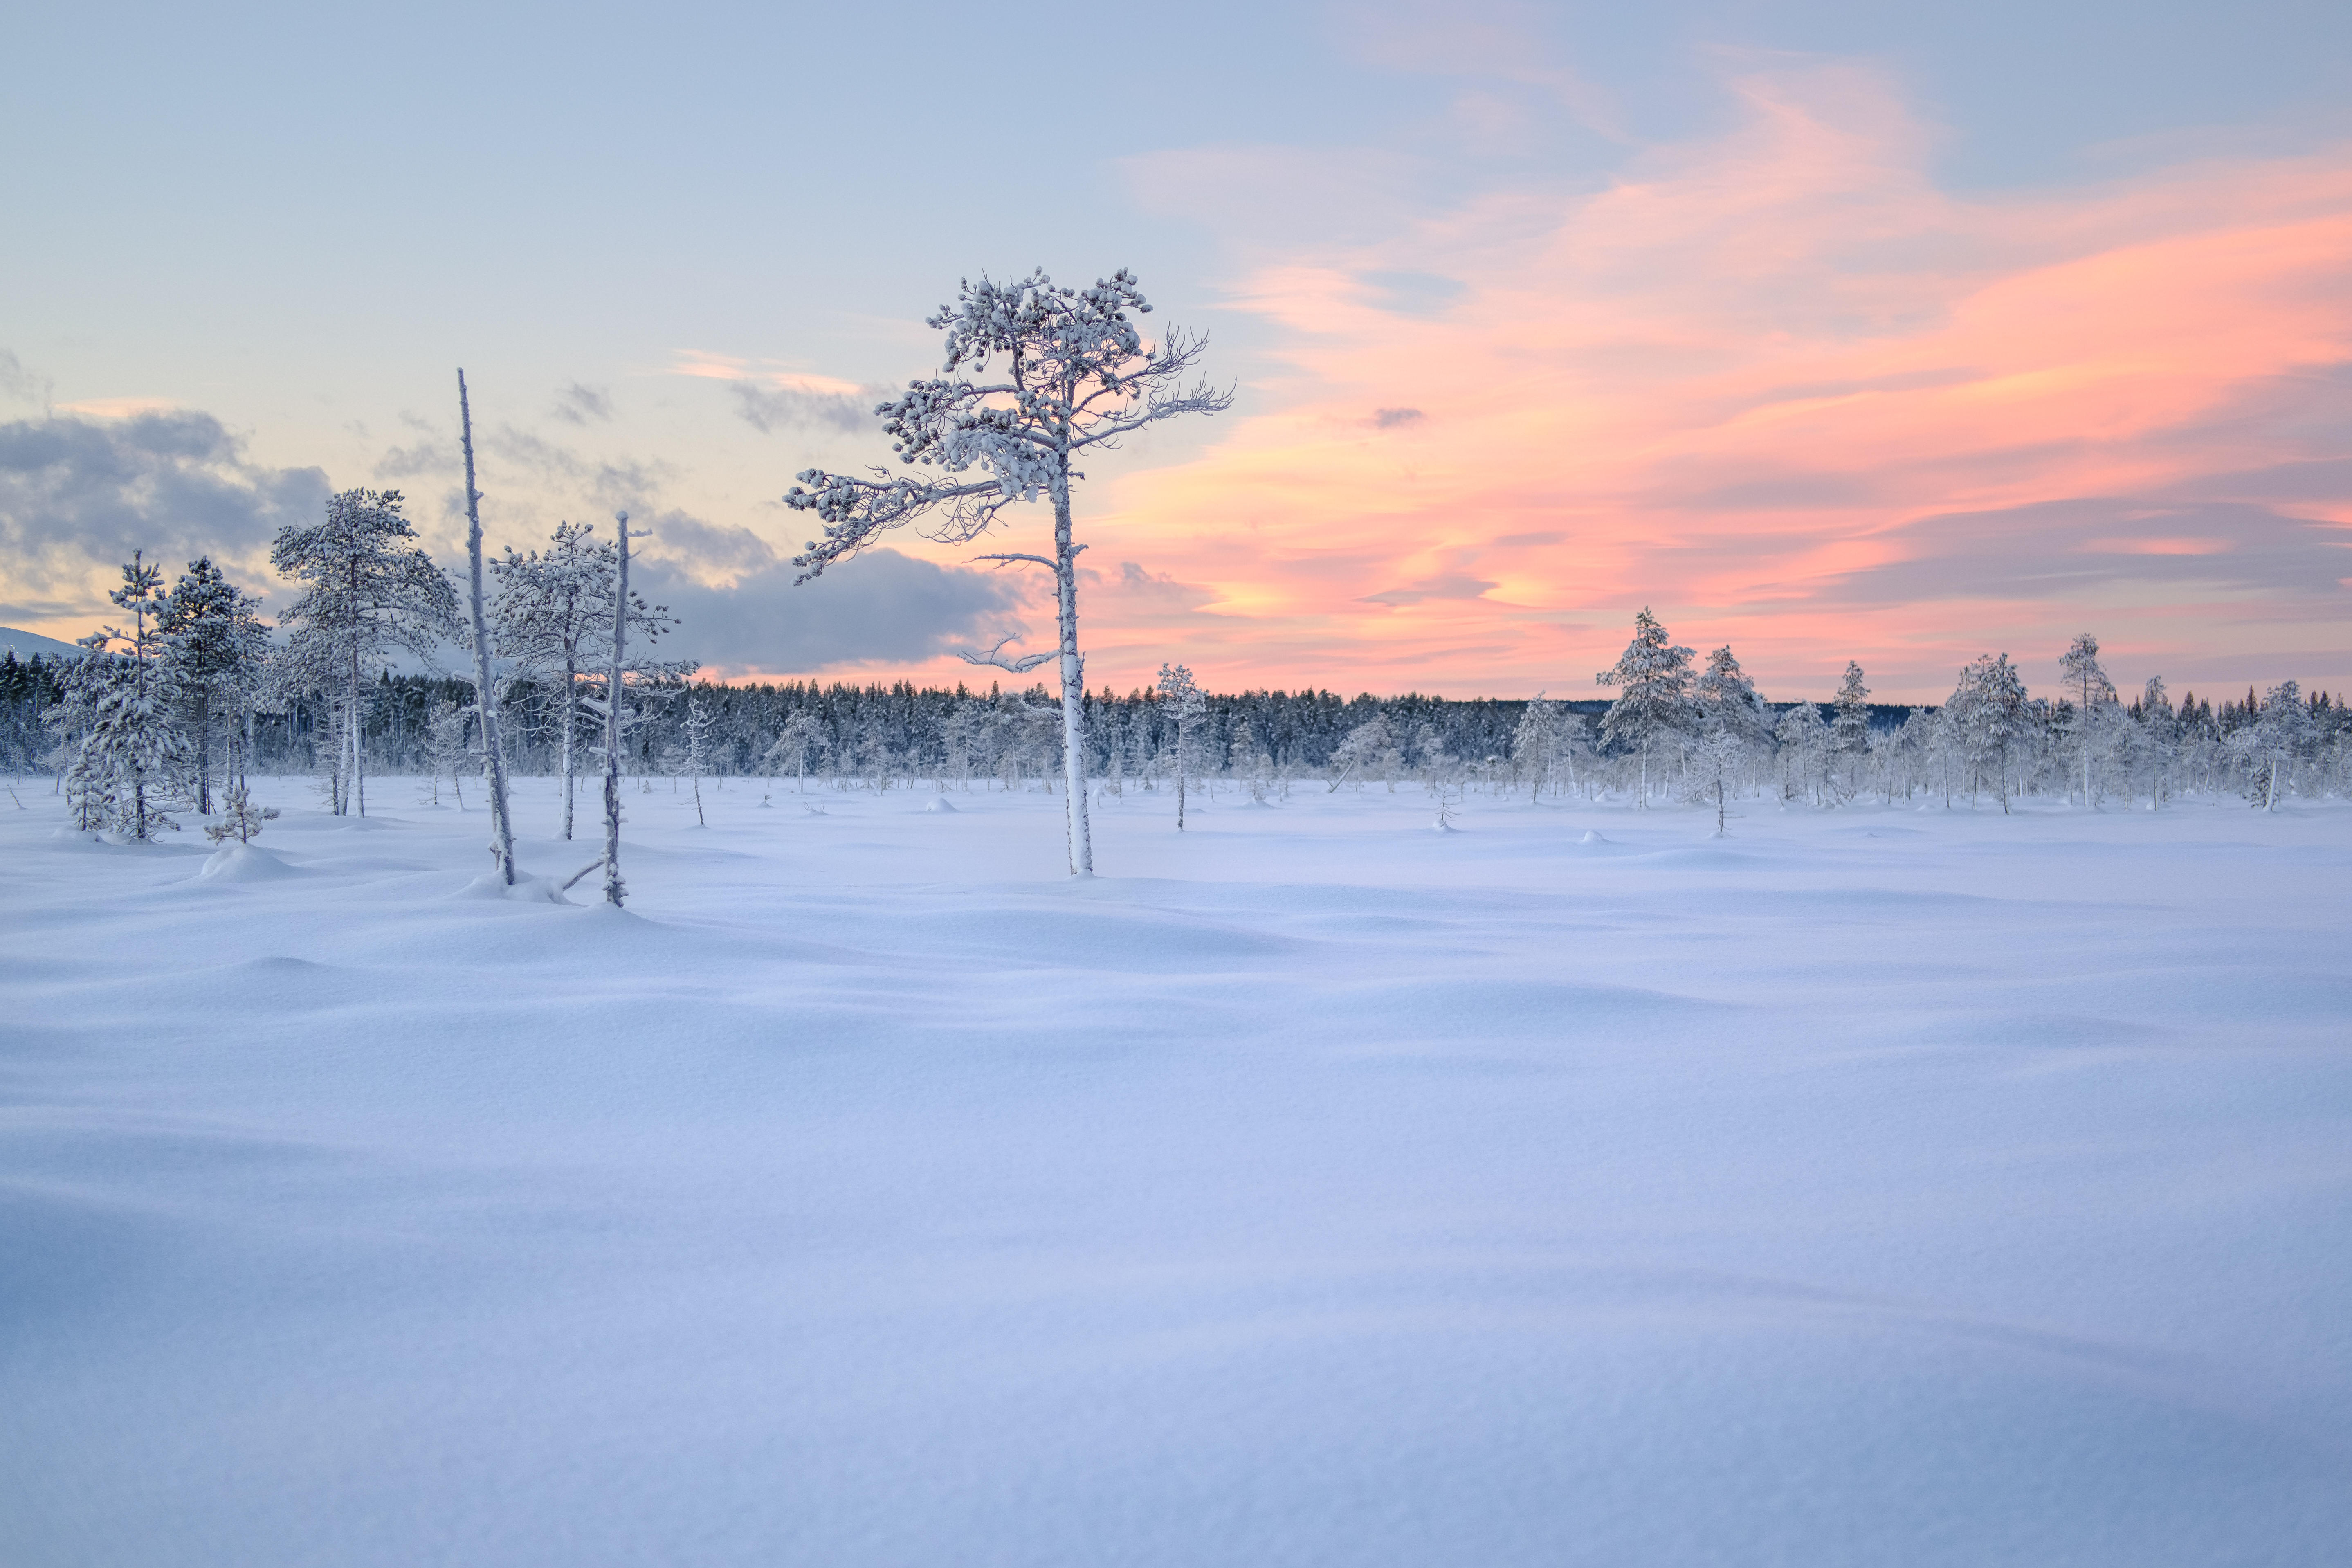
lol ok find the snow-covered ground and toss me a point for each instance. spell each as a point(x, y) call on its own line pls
point(1884, 1188)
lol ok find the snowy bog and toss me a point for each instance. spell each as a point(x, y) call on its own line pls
point(1879, 1186)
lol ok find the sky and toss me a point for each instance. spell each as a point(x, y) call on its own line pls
point(1828, 332)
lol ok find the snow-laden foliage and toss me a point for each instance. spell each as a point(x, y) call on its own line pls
point(217, 647)
point(2145, 754)
point(240, 818)
point(1072, 375)
point(552, 622)
point(134, 757)
point(1181, 693)
point(1653, 708)
point(368, 589)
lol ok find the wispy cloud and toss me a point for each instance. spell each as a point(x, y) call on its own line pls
point(706, 366)
point(118, 407)
point(1781, 385)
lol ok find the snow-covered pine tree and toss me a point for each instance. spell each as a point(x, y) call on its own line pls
point(137, 752)
point(803, 737)
point(2089, 686)
point(2155, 739)
point(68, 722)
point(1187, 708)
point(1654, 705)
point(1987, 709)
point(1368, 747)
point(1714, 766)
point(701, 730)
point(1535, 742)
point(1850, 723)
point(240, 818)
point(2279, 733)
point(216, 647)
point(445, 748)
point(1728, 699)
point(1804, 742)
point(554, 614)
point(367, 590)
point(1078, 377)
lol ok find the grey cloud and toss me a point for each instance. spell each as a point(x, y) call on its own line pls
point(768, 409)
point(1389, 419)
point(677, 537)
point(1449, 585)
point(882, 608)
point(1155, 589)
point(429, 457)
point(579, 404)
point(1545, 536)
point(78, 493)
point(2319, 479)
point(2056, 550)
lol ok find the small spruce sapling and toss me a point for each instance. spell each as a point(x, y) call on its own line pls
point(240, 818)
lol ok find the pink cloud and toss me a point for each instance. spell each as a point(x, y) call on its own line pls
point(1782, 386)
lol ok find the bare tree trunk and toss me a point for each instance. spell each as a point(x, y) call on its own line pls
point(613, 888)
point(571, 676)
point(1179, 773)
point(494, 766)
point(203, 752)
point(352, 789)
point(1073, 716)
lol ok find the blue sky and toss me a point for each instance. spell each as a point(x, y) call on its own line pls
point(297, 221)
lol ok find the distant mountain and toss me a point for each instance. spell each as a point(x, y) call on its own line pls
point(24, 645)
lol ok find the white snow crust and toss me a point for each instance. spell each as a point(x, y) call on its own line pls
point(1872, 1187)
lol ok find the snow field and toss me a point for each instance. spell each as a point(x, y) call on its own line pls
point(1876, 1186)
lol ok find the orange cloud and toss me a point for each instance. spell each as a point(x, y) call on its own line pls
point(1782, 387)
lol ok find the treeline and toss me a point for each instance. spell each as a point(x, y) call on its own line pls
point(845, 735)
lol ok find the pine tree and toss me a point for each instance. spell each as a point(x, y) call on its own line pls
point(1189, 710)
point(700, 727)
point(1078, 377)
point(2277, 738)
point(1714, 763)
point(1988, 712)
point(2091, 689)
point(1728, 699)
point(367, 590)
point(217, 648)
point(553, 613)
point(134, 750)
point(1653, 707)
point(1850, 719)
point(446, 753)
point(240, 818)
point(1804, 742)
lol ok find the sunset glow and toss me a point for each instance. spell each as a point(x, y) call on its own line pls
point(1784, 389)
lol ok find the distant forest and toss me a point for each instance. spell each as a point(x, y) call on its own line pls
point(846, 735)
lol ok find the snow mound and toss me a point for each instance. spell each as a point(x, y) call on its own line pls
point(1593, 838)
point(235, 862)
point(941, 802)
point(526, 889)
